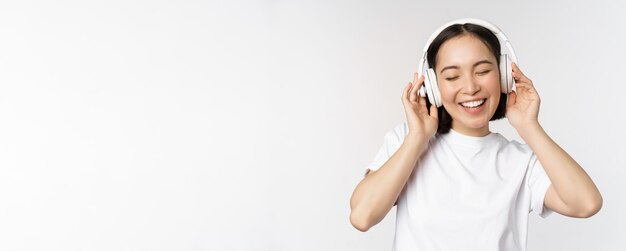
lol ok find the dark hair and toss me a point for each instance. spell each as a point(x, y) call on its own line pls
point(489, 39)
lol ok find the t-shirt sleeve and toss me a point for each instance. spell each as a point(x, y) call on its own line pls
point(391, 143)
point(539, 182)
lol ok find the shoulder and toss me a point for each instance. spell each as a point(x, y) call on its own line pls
point(398, 132)
point(401, 129)
point(513, 147)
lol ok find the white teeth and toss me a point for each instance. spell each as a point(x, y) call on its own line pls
point(473, 103)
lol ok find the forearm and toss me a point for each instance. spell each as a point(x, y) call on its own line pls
point(376, 194)
point(569, 180)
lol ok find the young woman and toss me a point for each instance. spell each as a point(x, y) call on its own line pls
point(456, 184)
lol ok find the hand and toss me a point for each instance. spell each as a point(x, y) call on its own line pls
point(420, 122)
point(523, 104)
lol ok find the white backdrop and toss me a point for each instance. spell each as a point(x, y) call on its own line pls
point(229, 125)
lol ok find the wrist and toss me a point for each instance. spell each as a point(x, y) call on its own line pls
point(528, 129)
point(420, 142)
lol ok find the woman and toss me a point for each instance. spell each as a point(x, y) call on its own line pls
point(456, 184)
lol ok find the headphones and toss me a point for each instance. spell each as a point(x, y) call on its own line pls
point(431, 88)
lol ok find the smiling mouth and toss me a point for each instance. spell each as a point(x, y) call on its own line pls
point(473, 104)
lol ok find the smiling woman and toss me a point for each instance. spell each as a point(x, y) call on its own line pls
point(456, 184)
point(469, 85)
point(482, 53)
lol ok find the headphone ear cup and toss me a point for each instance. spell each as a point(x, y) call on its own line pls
point(432, 87)
point(506, 74)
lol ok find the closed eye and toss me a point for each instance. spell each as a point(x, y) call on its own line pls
point(479, 73)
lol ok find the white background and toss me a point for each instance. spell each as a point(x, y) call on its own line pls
point(190, 125)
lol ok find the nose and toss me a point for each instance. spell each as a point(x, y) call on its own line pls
point(471, 87)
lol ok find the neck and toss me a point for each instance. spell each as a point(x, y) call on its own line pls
point(475, 132)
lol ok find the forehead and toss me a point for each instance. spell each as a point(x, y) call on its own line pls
point(462, 51)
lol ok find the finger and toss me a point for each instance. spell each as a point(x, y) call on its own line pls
point(422, 103)
point(416, 87)
point(420, 84)
point(525, 86)
point(412, 93)
point(433, 111)
point(512, 98)
point(520, 78)
point(518, 75)
point(526, 91)
point(405, 93)
point(516, 68)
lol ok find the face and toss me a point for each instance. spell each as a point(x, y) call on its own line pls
point(469, 82)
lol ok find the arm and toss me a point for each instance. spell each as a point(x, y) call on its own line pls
point(376, 194)
point(572, 192)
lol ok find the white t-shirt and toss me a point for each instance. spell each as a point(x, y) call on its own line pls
point(467, 193)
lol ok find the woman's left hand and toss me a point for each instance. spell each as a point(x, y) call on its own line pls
point(523, 104)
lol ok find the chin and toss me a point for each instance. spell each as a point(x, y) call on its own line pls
point(477, 124)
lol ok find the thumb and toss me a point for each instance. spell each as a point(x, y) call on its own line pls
point(433, 111)
point(512, 98)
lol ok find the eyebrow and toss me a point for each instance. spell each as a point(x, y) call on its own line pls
point(475, 64)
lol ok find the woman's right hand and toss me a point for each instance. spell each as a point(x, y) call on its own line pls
point(421, 123)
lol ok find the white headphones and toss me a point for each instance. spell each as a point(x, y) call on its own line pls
point(431, 89)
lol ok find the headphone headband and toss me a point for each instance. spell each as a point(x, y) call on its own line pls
point(504, 41)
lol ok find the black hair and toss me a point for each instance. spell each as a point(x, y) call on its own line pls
point(490, 40)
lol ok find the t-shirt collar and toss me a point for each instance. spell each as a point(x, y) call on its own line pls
point(456, 137)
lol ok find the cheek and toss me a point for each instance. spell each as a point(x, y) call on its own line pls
point(493, 83)
point(448, 94)
point(490, 85)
